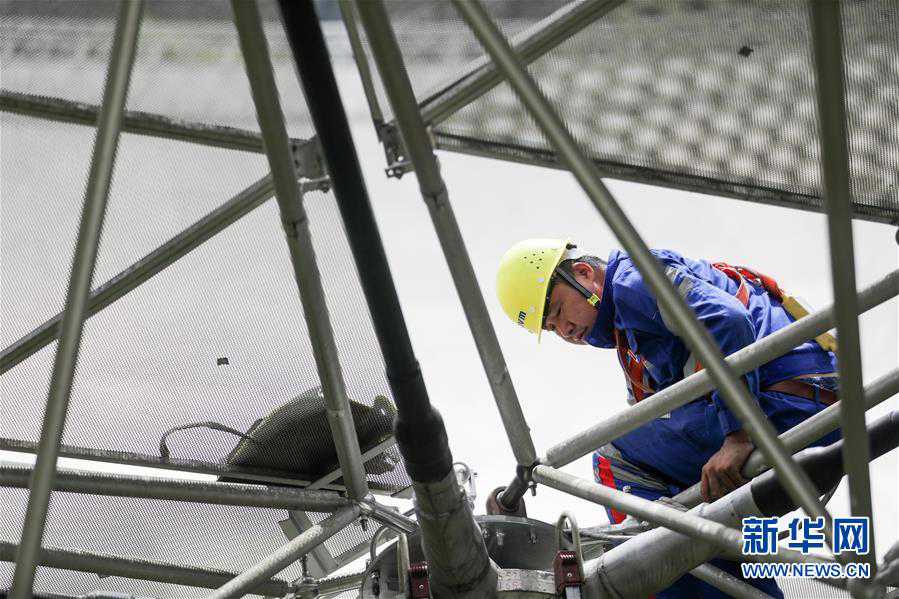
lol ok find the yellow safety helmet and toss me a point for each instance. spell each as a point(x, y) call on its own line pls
point(523, 280)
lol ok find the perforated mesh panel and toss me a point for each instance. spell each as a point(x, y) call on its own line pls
point(710, 96)
point(188, 63)
point(220, 334)
point(437, 46)
point(185, 534)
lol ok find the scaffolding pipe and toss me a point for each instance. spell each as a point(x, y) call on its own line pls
point(418, 428)
point(138, 569)
point(736, 395)
point(806, 432)
point(96, 195)
point(450, 535)
point(145, 268)
point(260, 72)
point(653, 560)
point(698, 384)
point(726, 539)
point(557, 28)
point(219, 469)
point(152, 487)
point(728, 583)
point(338, 583)
point(368, 87)
point(389, 517)
point(138, 123)
point(827, 42)
point(393, 73)
point(246, 581)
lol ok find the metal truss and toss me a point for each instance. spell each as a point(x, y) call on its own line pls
point(108, 126)
point(508, 62)
point(481, 76)
point(296, 166)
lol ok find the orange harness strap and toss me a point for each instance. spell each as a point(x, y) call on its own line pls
point(633, 365)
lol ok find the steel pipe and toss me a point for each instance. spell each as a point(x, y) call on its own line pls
point(319, 561)
point(458, 562)
point(396, 81)
point(388, 517)
point(557, 28)
point(138, 123)
point(151, 487)
point(222, 470)
point(138, 569)
point(700, 383)
point(402, 564)
point(368, 86)
point(418, 427)
point(339, 583)
point(108, 126)
point(653, 560)
point(723, 537)
point(247, 581)
point(145, 268)
point(260, 72)
point(808, 431)
point(698, 339)
point(827, 43)
point(332, 476)
point(471, 145)
point(719, 535)
point(728, 583)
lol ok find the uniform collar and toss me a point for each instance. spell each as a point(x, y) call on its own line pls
point(603, 332)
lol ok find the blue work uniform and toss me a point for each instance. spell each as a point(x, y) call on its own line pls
point(667, 455)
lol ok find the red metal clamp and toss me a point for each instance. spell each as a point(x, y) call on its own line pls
point(566, 571)
point(418, 581)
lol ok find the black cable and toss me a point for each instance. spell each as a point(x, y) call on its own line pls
point(419, 429)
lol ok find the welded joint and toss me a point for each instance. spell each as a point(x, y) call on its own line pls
point(526, 474)
point(294, 226)
point(439, 202)
point(369, 507)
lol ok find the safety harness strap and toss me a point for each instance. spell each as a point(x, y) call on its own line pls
point(639, 382)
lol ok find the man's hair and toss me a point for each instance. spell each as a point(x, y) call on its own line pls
point(596, 263)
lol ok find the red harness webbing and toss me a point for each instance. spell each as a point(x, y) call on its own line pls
point(634, 365)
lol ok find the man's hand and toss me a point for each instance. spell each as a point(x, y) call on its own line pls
point(721, 474)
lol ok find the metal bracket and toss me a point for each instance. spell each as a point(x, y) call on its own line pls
point(419, 584)
point(525, 474)
point(309, 163)
point(568, 576)
point(394, 150)
point(568, 566)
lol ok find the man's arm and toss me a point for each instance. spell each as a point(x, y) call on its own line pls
point(730, 324)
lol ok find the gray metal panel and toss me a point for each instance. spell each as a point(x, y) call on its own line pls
point(715, 97)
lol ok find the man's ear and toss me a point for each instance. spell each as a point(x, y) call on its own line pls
point(583, 270)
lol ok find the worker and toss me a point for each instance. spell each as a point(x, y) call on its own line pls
point(551, 285)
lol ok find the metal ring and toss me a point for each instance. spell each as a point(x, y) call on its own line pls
point(375, 539)
point(575, 537)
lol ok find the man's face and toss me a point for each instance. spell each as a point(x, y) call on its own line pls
point(568, 314)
